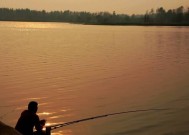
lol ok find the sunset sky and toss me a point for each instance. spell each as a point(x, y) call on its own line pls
point(120, 6)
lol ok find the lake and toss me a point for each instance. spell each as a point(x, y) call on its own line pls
point(78, 71)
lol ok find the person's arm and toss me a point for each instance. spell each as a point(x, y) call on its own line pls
point(38, 125)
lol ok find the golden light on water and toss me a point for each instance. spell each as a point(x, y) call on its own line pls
point(34, 26)
point(61, 116)
point(35, 98)
point(63, 110)
point(63, 132)
point(48, 124)
point(44, 113)
point(56, 133)
point(55, 117)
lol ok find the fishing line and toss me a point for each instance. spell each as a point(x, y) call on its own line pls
point(102, 116)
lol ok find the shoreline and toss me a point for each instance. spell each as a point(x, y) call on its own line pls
point(102, 24)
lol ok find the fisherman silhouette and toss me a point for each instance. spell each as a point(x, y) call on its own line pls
point(29, 119)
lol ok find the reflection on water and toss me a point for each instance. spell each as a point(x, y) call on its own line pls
point(65, 132)
point(78, 71)
point(23, 26)
point(45, 113)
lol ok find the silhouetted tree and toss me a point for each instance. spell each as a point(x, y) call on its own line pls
point(160, 15)
point(178, 16)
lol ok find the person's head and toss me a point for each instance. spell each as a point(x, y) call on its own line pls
point(33, 106)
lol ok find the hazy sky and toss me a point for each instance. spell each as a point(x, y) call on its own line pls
point(120, 6)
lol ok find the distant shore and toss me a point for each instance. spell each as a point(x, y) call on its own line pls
point(101, 24)
point(159, 17)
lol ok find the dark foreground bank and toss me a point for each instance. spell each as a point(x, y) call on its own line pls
point(7, 130)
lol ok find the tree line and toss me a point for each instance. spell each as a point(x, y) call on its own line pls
point(178, 16)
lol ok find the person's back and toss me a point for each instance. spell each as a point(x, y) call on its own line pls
point(28, 120)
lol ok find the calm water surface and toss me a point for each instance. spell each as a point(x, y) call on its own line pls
point(78, 71)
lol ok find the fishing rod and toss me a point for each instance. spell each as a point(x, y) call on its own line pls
point(49, 128)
